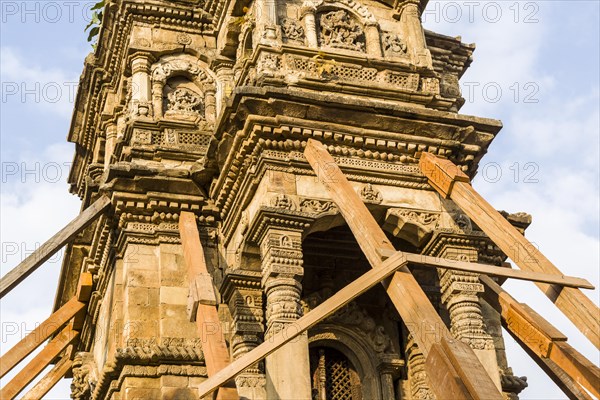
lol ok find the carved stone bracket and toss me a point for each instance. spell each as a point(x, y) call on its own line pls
point(414, 226)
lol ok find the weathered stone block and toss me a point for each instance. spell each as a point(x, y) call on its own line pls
point(174, 381)
point(173, 295)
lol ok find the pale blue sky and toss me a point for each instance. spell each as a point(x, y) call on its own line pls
point(547, 50)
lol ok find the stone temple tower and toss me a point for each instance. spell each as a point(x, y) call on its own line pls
point(205, 106)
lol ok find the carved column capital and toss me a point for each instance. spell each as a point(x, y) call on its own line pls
point(460, 294)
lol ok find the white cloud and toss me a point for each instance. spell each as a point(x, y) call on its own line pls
point(559, 134)
point(34, 205)
point(49, 90)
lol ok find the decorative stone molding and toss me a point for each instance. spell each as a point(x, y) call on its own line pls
point(141, 351)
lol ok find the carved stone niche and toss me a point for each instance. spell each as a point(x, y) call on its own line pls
point(182, 88)
point(182, 99)
point(339, 29)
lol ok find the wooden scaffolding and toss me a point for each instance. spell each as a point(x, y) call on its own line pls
point(452, 367)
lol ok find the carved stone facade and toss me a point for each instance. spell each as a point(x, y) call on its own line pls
point(206, 107)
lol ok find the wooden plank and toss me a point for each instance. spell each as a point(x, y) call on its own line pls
point(582, 370)
point(46, 329)
point(492, 270)
point(568, 386)
point(55, 243)
point(84, 293)
point(412, 304)
point(581, 310)
point(207, 319)
point(439, 364)
point(542, 340)
point(38, 363)
point(325, 309)
point(49, 380)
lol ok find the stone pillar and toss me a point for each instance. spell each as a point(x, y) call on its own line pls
point(210, 106)
point(410, 21)
point(288, 369)
point(140, 82)
point(242, 292)
point(310, 27)
point(224, 70)
point(266, 11)
point(373, 39)
point(157, 98)
point(111, 141)
point(460, 295)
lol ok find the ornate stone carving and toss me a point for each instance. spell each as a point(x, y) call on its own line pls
point(152, 350)
point(281, 273)
point(370, 194)
point(512, 384)
point(268, 63)
point(186, 101)
point(339, 30)
point(353, 316)
point(449, 86)
point(85, 376)
point(292, 30)
point(393, 44)
point(459, 293)
point(283, 201)
point(314, 206)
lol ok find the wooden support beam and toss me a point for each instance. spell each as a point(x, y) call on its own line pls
point(207, 318)
point(50, 379)
point(572, 302)
point(325, 309)
point(492, 270)
point(543, 341)
point(55, 243)
point(412, 304)
point(38, 363)
point(46, 329)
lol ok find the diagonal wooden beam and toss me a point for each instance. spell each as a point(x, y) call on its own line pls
point(46, 329)
point(38, 363)
point(206, 316)
point(452, 183)
point(49, 248)
point(328, 307)
point(50, 379)
point(543, 341)
point(412, 304)
point(492, 270)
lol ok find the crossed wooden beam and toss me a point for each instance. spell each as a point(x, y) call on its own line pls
point(452, 367)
